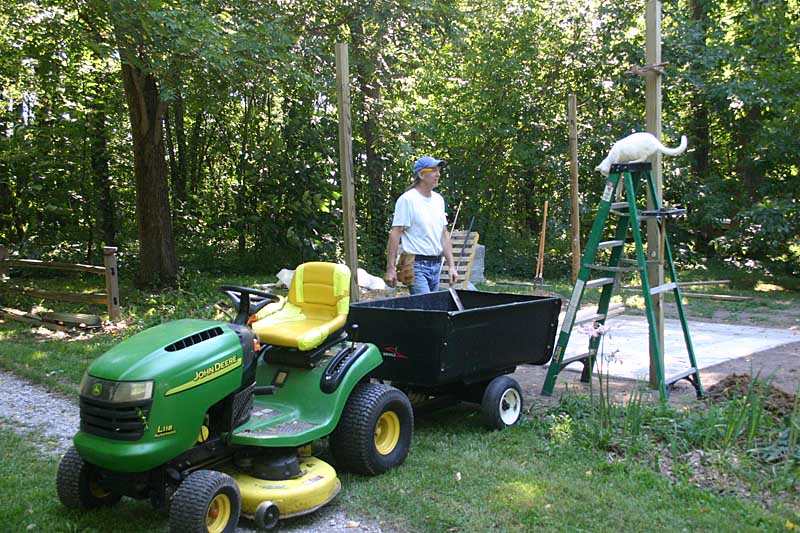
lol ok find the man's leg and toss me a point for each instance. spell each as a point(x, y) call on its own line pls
point(436, 270)
point(421, 283)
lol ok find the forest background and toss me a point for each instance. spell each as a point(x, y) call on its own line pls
point(202, 135)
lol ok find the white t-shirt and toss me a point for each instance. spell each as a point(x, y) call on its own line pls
point(423, 219)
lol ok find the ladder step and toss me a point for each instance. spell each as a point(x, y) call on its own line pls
point(635, 262)
point(609, 244)
point(613, 310)
point(619, 205)
point(599, 282)
point(606, 268)
point(682, 375)
point(574, 359)
point(663, 288)
point(658, 213)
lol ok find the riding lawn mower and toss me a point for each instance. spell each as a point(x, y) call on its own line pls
point(210, 420)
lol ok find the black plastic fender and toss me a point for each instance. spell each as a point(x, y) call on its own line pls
point(337, 368)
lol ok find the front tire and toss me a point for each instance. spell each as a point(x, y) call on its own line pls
point(206, 501)
point(76, 484)
point(374, 432)
point(501, 406)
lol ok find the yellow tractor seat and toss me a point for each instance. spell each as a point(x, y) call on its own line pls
point(317, 306)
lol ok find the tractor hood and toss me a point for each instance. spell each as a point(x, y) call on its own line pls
point(179, 370)
point(166, 351)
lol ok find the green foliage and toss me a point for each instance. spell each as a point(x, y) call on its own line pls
point(251, 126)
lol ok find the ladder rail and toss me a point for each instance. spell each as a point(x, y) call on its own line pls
point(605, 296)
point(673, 275)
point(589, 253)
point(648, 301)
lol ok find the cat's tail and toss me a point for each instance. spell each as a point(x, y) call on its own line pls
point(675, 151)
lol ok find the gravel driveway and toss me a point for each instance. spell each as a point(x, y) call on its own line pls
point(27, 408)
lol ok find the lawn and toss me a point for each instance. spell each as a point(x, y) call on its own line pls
point(580, 465)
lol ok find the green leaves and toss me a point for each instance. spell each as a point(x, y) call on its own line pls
point(251, 109)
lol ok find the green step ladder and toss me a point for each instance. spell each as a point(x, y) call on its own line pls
point(629, 217)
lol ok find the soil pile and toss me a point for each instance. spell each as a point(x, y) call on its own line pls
point(776, 401)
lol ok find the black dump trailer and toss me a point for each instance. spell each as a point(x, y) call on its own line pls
point(433, 348)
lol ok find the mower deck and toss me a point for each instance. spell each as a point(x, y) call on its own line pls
point(316, 486)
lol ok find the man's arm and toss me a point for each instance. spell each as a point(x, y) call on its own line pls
point(448, 255)
point(391, 255)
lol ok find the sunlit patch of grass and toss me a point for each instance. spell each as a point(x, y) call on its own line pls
point(767, 287)
point(636, 301)
point(519, 494)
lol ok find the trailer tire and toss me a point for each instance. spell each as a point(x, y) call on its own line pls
point(374, 431)
point(501, 406)
point(76, 484)
point(206, 501)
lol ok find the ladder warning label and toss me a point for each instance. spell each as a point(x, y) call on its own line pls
point(569, 317)
point(607, 192)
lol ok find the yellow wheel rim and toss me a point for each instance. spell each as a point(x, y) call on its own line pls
point(387, 433)
point(218, 513)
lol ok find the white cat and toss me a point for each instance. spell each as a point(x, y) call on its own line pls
point(636, 148)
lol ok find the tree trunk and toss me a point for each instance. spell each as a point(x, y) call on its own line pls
point(171, 157)
point(158, 262)
point(241, 193)
point(101, 176)
point(194, 151)
point(744, 133)
point(365, 64)
point(179, 185)
point(699, 122)
point(699, 130)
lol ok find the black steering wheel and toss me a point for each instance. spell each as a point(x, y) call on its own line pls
point(244, 304)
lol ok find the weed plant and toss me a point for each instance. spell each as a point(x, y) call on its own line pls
point(736, 441)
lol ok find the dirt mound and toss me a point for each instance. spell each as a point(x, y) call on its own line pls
point(776, 401)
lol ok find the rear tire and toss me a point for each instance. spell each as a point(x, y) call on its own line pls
point(76, 484)
point(374, 432)
point(206, 501)
point(501, 406)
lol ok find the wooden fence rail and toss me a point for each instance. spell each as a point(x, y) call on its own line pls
point(110, 298)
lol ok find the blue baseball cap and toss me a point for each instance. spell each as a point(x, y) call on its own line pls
point(428, 162)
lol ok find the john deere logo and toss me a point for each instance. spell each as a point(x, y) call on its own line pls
point(97, 389)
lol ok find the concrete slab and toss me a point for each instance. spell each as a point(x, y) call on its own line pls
point(627, 353)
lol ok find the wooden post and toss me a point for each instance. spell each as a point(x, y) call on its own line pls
point(346, 166)
point(112, 281)
point(655, 266)
point(572, 120)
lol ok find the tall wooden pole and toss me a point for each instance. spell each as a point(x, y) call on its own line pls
point(572, 120)
point(655, 266)
point(346, 166)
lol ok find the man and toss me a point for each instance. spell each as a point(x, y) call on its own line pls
point(420, 223)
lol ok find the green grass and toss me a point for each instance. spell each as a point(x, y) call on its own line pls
point(519, 480)
point(551, 473)
point(516, 480)
point(27, 481)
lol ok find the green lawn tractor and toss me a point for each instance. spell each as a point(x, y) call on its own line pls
point(211, 420)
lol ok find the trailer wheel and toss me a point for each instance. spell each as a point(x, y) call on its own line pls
point(206, 501)
point(502, 403)
point(76, 484)
point(374, 432)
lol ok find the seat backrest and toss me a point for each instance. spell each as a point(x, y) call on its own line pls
point(322, 290)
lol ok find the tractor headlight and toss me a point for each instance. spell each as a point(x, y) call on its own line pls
point(116, 391)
